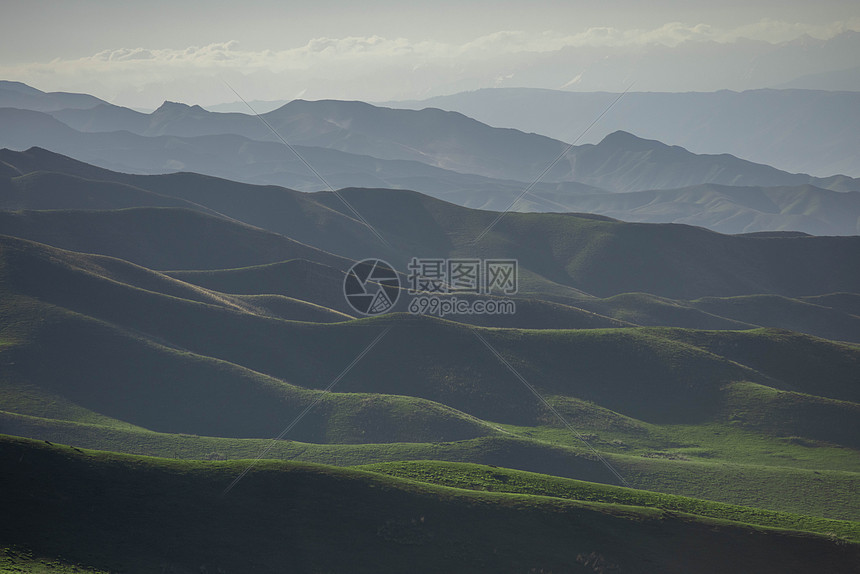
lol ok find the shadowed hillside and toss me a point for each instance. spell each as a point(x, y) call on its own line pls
point(160, 238)
point(196, 318)
point(300, 512)
point(653, 375)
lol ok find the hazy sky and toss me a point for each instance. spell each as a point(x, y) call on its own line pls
point(140, 54)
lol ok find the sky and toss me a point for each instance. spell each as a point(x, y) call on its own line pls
point(139, 54)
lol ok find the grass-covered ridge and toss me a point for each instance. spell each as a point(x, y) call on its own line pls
point(317, 517)
point(494, 479)
point(98, 341)
point(792, 478)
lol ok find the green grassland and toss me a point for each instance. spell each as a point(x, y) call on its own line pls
point(484, 478)
point(813, 480)
point(723, 415)
point(314, 518)
point(666, 348)
point(16, 560)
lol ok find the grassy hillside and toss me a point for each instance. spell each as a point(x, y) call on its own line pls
point(822, 316)
point(159, 238)
point(603, 257)
point(99, 341)
point(95, 368)
point(297, 278)
point(296, 514)
point(292, 309)
point(49, 190)
point(791, 476)
point(494, 479)
point(212, 359)
point(655, 375)
point(802, 363)
point(831, 317)
point(649, 310)
point(733, 208)
point(76, 369)
point(323, 285)
point(827, 316)
point(591, 254)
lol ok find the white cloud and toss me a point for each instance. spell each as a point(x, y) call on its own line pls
point(371, 67)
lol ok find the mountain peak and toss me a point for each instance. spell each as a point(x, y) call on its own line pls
point(626, 140)
point(168, 105)
point(175, 108)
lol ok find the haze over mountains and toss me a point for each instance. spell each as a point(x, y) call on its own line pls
point(799, 130)
point(452, 157)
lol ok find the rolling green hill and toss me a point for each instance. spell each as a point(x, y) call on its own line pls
point(829, 317)
point(600, 257)
point(603, 257)
point(493, 479)
point(656, 375)
point(784, 475)
point(75, 369)
point(822, 316)
point(323, 285)
point(209, 319)
point(294, 515)
point(97, 341)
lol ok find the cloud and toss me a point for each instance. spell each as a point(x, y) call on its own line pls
point(371, 67)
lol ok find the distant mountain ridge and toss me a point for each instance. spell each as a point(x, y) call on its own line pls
point(263, 162)
point(20, 95)
point(622, 162)
point(798, 130)
point(427, 136)
point(443, 139)
point(448, 156)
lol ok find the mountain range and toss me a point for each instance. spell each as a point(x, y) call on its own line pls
point(448, 156)
point(798, 130)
